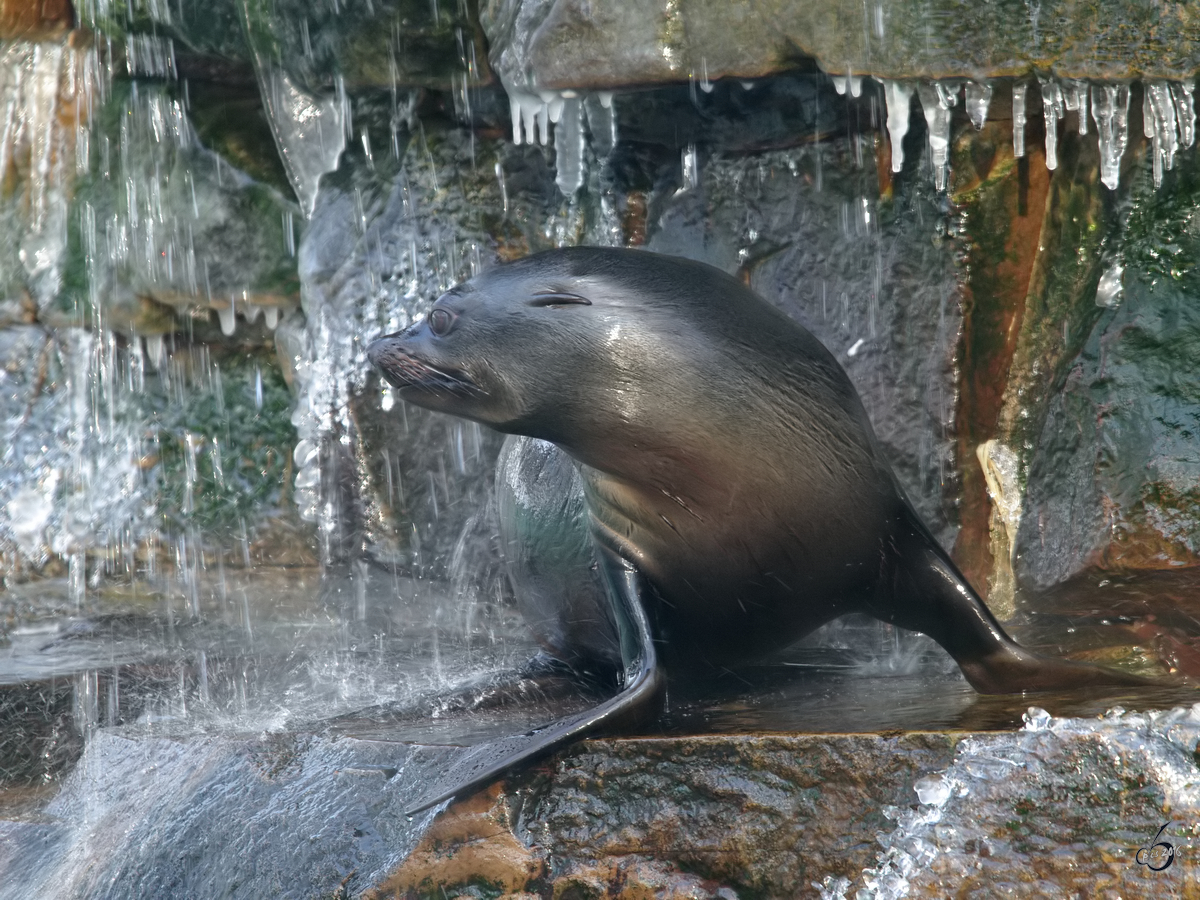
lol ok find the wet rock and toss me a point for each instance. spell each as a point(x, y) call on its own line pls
point(1112, 479)
point(1035, 242)
point(387, 237)
point(22, 20)
point(1053, 809)
point(160, 218)
point(472, 845)
point(48, 90)
point(386, 43)
point(281, 816)
point(1000, 199)
point(39, 743)
point(575, 44)
point(871, 277)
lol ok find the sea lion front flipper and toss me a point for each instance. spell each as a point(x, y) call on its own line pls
point(642, 684)
point(927, 593)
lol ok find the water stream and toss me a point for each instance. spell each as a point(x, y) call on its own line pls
point(217, 525)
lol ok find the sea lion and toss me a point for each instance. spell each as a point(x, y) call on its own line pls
point(706, 467)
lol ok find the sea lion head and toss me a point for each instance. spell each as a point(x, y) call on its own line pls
point(570, 346)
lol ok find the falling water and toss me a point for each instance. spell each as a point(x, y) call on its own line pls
point(215, 520)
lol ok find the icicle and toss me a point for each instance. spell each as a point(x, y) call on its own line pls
point(606, 98)
point(568, 147)
point(530, 115)
point(1052, 110)
point(1158, 123)
point(228, 318)
point(503, 187)
point(1185, 113)
point(1108, 291)
point(691, 168)
point(1018, 112)
point(554, 101)
point(897, 96)
point(602, 126)
point(937, 117)
point(947, 93)
point(271, 316)
point(1110, 112)
point(979, 97)
point(1075, 99)
point(310, 133)
point(156, 350)
point(842, 82)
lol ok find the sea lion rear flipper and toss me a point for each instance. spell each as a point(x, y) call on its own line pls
point(927, 593)
point(642, 684)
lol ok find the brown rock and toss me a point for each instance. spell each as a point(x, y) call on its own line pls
point(35, 20)
point(470, 843)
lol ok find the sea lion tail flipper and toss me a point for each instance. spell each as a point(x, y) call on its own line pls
point(928, 593)
point(642, 686)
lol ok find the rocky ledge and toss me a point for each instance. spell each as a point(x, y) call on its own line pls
point(1060, 808)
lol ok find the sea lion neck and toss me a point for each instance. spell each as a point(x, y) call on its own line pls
point(686, 474)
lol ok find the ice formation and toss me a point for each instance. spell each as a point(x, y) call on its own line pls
point(843, 82)
point(1075, 98)
point(532, 114)
point(936, 101)
point(691, 167)
point(1158, 124)
point(897, 97)
point(1110, 110)
point(978, 98)
point(1018, 118)
point(310, 132)
point(1109, 290)
point(1185, 112)
point(1053, 110)
point(568, 147)
point(1169, 121)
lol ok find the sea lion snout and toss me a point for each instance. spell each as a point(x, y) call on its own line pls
point(406, 368)
point(391, 355)
point(383, 351)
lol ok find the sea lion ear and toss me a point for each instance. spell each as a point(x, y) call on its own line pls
point(558, 298)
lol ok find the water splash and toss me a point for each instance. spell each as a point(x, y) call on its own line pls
point(994, 775)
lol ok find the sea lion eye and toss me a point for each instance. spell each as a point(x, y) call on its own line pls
point(558, 298)
point(440, 321)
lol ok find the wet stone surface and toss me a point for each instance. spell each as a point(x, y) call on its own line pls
point(572, 43)
point(1061, 806)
